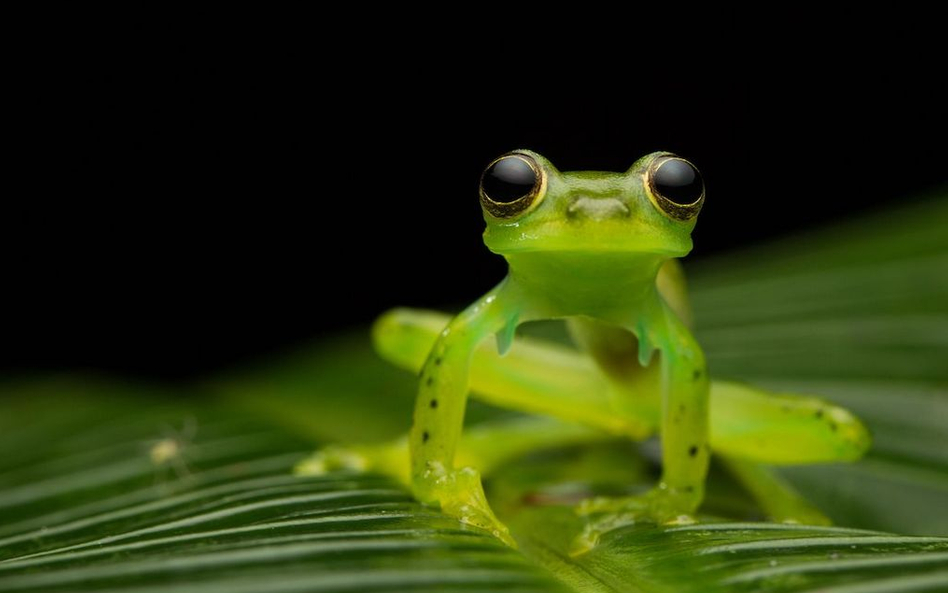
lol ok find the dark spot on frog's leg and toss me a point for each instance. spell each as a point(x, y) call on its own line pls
point(693, 450)
point(697, 374)
point(424, 437)
point(833, 426)
point(433, 404)
point(429, 381)
point(689, 489)
point(819, 413)
point(437, 361)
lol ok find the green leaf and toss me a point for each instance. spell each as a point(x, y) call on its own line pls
point(107, 486)
point(858, 314)
point(741, 557)
point(89, 509)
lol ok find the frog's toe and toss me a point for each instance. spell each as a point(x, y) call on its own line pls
point(589, 537)
point(461, 495)
point(599, 524)
point(330, 459)
point(661, 505)
point(605, 504)
point(605, 514)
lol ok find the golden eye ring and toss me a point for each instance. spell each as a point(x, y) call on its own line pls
point(675, 187)
point(511, 185)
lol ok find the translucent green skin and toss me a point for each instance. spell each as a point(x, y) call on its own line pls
point(597, 250)
point(602, 264)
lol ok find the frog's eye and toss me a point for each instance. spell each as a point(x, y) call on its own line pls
point(676, 187)
point(511, 185)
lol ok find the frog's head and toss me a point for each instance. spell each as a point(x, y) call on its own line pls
point(650, 209)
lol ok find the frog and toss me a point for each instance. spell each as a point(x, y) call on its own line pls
point(600, 250)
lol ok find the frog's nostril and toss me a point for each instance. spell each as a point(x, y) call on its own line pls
point(597, 208)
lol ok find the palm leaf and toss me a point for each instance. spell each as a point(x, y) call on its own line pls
point(90, 510)
point(857, 314)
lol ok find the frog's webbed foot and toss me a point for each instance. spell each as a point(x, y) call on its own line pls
point(661, 506)
point(389, 458)
point(332, 458)
point(460, 495)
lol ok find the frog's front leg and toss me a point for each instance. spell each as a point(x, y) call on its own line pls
point(685, 449)
point(684, 434)
point(439, 412)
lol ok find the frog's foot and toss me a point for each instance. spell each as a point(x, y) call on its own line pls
point(331, 458)
point(660, 506)
point(461, 495)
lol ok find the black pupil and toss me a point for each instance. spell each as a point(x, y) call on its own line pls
point(508, 180)
point(678, 181)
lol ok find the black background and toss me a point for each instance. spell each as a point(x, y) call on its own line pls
point(185, 203)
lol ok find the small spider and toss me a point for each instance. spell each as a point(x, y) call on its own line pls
point(169, 451)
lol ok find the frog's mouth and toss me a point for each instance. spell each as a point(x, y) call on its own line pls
point(585, 207)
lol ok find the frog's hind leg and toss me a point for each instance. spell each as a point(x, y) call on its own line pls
point(533, 376)
point(749, 425)
point(552, 380)
point(484, 447)
point(747, 422)
point(776, 498)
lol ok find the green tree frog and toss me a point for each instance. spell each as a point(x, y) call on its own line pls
point(599, 249)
